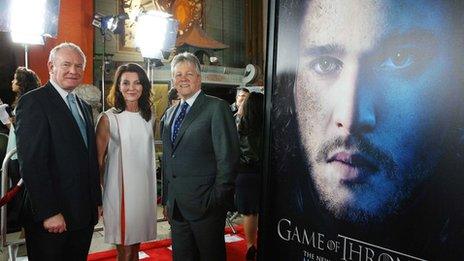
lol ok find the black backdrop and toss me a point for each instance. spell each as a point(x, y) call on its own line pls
point(295, 225)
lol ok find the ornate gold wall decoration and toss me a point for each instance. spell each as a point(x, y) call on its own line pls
point(187, 12)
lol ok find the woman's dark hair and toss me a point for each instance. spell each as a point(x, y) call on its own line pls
point(26, 80)
point(253, 110)
point(172, 95)
point(115, 97)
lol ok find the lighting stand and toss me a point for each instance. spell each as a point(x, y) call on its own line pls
point(103, 68)
point(151, 65)
point(26, 56)
point(149, 70)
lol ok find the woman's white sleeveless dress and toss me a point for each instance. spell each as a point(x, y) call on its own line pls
point(133, 180)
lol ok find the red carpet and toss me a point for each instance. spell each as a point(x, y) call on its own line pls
point(158, 250)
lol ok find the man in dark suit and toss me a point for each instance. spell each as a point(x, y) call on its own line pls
point(200, 152)
point(57, 157)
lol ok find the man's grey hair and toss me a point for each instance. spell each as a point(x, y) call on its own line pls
point(66, 45)
point(185, 57)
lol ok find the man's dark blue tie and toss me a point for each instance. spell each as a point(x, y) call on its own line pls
point(178, 121)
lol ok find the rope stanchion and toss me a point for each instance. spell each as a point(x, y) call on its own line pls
point(7, 196)
point(11, 193)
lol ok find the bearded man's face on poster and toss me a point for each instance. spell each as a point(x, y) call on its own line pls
point(374, 94)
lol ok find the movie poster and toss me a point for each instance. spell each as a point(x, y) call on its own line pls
point(366, 131)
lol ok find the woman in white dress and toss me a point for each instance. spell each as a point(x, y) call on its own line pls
point(125, 147)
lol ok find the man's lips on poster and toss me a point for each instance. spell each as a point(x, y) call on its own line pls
point(354, 167)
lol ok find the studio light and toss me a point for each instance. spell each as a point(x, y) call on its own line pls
point(114, 24)
point(27, 21)
point(155, 32)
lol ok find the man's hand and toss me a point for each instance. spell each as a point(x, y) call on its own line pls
point(55, 224)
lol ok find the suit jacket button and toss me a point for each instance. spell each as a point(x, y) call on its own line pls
point(174, 176)
point(173, 156)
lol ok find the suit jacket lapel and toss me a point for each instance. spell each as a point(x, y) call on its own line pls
point(170, 115)
point(190, 117)
point(63, 108)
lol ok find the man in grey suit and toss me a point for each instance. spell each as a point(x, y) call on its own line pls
point(200, 151)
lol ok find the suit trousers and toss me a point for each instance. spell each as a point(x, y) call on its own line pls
point(201, 239)
point(69, 245)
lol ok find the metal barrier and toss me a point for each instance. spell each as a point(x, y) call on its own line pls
point(230, 216)
point(13, 245)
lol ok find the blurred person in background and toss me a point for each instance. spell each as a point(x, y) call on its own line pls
point(242, 94)
point(173, 98)
point(24, 80)
point(248, 181)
